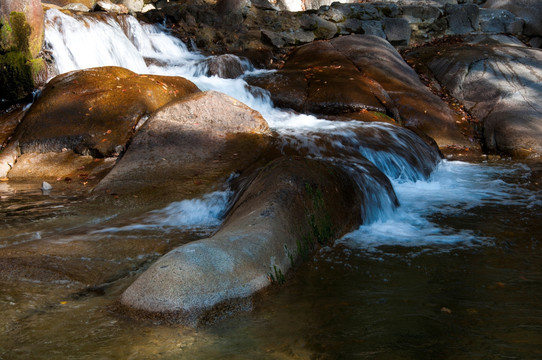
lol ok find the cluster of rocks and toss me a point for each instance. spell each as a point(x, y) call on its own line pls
point(243, 26)
point(119, 7)
point(258, 24)
point(175, 139)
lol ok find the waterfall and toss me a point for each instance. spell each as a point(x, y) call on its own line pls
point(82, 41)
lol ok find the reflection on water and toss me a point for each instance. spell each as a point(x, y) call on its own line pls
point(427, 294)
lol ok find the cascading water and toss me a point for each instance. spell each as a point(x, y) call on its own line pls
point(397, 152)
point(400, 154)
point(453, 272)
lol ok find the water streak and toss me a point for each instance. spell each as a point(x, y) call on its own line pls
point(455, 189)
point(400, 154)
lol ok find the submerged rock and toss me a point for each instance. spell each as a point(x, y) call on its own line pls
point(499, 81)
point(93, 112)
point(289, 206)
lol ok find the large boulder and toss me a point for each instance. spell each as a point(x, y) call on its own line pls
point(363, 73)
point(318, 79)
point(416, 106)
point(528, 10)
point(500, 82)
point(194, 145)
point(92, 112)
point(199, 140)
point(290, 206)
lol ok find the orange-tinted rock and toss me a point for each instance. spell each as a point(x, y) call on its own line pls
point(350, 74)
point(318, 79)
point(417, 106)
point(95, 111)
point(62, 3)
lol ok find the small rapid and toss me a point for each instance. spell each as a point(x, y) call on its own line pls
point(452, 272)
point(84, 41)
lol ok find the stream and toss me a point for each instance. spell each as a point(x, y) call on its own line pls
point(455, 272)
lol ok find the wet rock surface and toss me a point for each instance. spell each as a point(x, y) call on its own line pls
point(498, 79)
point(291, 205)
point(91, 112)
point(360, 73)
point(194, 145)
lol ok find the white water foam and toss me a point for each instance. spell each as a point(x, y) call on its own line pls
point(453, 189)
point(206, 212)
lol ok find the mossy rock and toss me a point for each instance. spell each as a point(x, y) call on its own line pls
point(19, 71)
point(16, 79)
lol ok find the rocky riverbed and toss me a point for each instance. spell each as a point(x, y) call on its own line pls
point(349, 117)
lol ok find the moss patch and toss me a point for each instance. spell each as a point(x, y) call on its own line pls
point(15, 76)
point(17, 67)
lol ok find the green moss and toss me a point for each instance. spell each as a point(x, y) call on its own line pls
point(319, 217)
point(320, 227)
point(17, 67)
point(382, 116)
point(36, 66)
point(21, 32)
point(16, 79)
point(6, 36)
point(277, 276)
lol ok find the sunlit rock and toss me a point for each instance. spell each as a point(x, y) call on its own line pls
point(189, 146)
point(499, 81)
point(290, 206)
point(355, 73)
point(94, 112)
point(318, 79)
point(88, 3)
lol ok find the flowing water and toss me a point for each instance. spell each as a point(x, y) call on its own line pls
point(455, 272)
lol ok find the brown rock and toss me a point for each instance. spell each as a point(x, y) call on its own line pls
point(318, 79)
point(418, 108)
point(95, 111)
point(199, 140)
point(88, 3)
point(289, 207)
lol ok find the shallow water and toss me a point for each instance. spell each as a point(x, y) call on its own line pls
point(453, 273)
point(466, 284)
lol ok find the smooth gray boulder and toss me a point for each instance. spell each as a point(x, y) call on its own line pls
point(462, 18)
point(500, 21)
point(500, 82)
point(291, 205)
point(528, 10)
